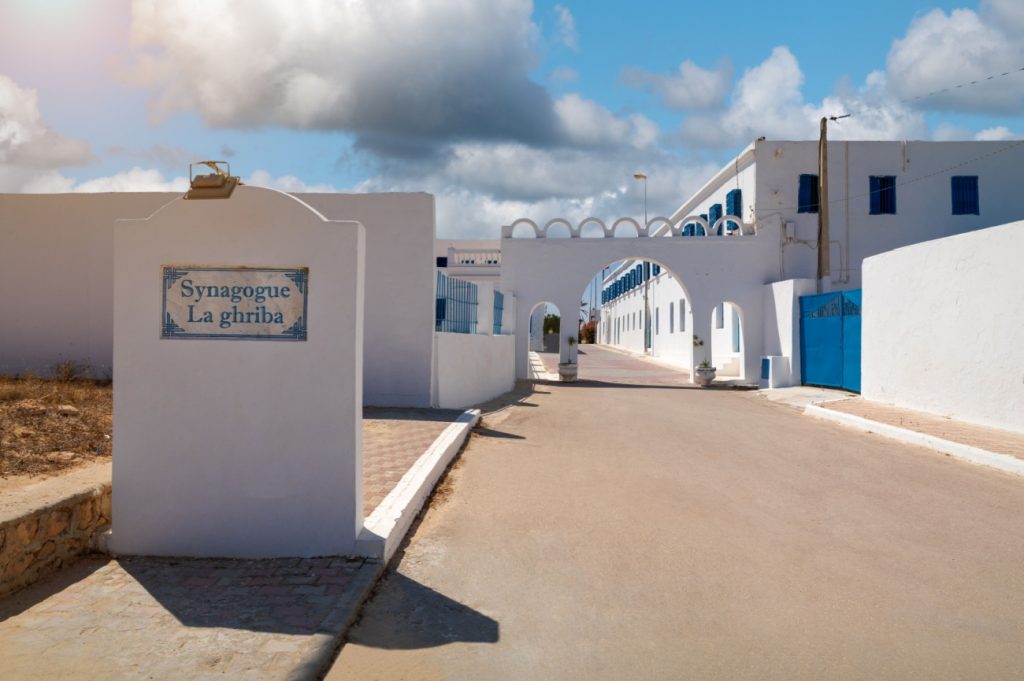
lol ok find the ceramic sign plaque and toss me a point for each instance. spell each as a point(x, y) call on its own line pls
point(234, 303)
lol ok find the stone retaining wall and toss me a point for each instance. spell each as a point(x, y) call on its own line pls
point(51, 532)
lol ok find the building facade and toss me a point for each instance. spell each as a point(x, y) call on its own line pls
point(882, 196)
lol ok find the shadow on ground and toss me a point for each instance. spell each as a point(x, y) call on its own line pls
point(20, 601)
point(404, 614)
point(279, 595)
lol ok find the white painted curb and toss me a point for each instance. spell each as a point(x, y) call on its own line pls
point(384, 529)
point(982, 457)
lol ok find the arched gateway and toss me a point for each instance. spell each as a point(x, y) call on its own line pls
point(724, 266)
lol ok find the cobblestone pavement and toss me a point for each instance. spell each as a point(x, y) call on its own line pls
point(989, 439)
point(393, 439)
point(155, 618)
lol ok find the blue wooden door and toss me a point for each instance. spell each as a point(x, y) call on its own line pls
point(830, 340)
point(851, 340)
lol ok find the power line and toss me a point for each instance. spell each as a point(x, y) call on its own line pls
point(967, 84)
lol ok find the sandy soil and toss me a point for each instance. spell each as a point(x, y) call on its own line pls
point(50, 426)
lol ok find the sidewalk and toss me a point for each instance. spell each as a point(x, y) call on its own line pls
point(173, 618)
point(945, 428)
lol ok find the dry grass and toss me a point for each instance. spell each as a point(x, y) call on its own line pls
point(50, 425)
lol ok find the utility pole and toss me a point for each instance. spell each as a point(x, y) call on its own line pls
point(824, 240)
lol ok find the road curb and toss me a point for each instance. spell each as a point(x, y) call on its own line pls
point(975, 455)
point(386, 526)
point(320, 656)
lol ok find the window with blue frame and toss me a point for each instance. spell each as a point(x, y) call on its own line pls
point(807, 198)
point(698, 229)
point(964, 190)
point(714, 213)
point(883, 194)
point(733, 206)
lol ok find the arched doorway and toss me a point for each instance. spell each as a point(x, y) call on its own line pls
point(545, 334)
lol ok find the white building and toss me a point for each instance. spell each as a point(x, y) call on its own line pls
point(882, 196)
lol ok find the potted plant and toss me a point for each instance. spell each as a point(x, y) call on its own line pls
point(567, 369)
point(705, 373)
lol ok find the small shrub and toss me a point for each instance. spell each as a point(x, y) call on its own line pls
point(68, 371)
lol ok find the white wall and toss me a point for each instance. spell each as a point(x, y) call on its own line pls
point(923, 204)
point(473, 368)
point(942, 327)
point(53, 244)
point(782, 324)
point(400, 283)
point(238, 448)
point(57, 277)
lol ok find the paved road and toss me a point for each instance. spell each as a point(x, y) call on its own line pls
point(631, 532)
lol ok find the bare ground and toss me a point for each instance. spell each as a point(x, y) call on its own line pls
point(48, 426)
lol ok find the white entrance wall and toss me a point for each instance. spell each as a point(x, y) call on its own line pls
point(400, 281)
point(53, 243)
point(473, 368)
point(942, 327)
point(240, 448)
point(709, 270)
point(782, 327)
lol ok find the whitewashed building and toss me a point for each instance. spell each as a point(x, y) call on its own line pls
point(722, 278)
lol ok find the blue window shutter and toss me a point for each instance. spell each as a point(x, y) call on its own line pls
point(807, 201)
point(647, 271)
point(734, 206)
point(688, 229)
point(714, 213)
point(699, 226)
point(964, 190)
point(875, 187)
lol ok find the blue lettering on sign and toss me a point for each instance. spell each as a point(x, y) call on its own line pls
point(234, 303)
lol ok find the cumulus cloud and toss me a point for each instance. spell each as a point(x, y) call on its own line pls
point(447, 70)
point(768, 101)
point(566, 27)
point(134, 180)
point(942, 50)
point(482, 186)
point(286, 183)
point(996, 134)
point(692, 87)
point(25, 138)
point(587, 123)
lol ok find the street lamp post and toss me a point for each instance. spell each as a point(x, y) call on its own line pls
point(645, 272)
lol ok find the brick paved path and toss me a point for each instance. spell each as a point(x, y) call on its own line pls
point(155, 618)
point(151, 618)
point(989, 439)
point(393, 439)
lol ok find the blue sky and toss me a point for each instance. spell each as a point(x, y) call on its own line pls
point(501, 109)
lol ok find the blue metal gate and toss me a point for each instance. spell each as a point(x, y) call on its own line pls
point(830, 340)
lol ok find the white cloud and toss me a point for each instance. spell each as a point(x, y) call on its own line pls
point(693, 87)
point(586, 123)
point(942, 51)
point(445, 70)
point(286, 183)
point(481, 186)
point(768, 101)
point(134, 180)
point(997, 133)
point(567, 27)
point(25, 139)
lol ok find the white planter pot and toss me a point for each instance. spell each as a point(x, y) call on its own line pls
point(704, 375)
point(567, 372)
